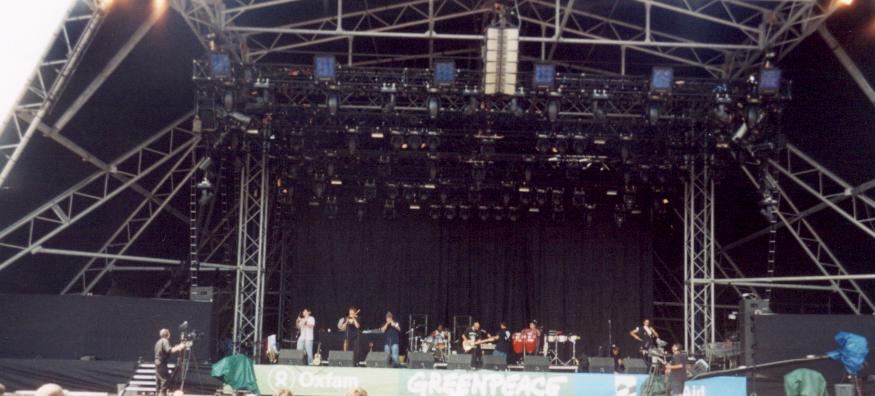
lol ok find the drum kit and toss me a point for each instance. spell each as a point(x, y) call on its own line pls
point(436, 345)
point(556, 344)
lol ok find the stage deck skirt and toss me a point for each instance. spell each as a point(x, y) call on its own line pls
point(333, 381)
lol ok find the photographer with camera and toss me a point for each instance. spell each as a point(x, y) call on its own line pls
point(163, 350)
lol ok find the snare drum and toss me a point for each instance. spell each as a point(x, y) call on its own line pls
point(427, 344)
point(562, 338)
point(552, 338)
point(574, 338)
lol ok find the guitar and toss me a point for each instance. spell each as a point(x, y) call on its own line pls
point(468, 345)
point(317, 357)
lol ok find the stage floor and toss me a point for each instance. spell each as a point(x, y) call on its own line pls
point(333, 381)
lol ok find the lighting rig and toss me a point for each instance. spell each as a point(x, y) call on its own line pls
point(434, 141)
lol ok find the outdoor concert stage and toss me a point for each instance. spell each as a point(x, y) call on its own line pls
point(316, 381)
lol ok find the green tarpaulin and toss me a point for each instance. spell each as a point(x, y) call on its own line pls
point(236, 371)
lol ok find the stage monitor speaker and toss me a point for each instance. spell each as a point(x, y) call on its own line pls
point(461, 361)
point(603, 365)
point(295, 357)
point(635, 366)
point(492, 362)
point(536, 363)
point(341, 359)
point(420, 360)
point(378, 359)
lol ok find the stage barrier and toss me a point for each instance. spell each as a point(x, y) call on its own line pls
point(333, 381)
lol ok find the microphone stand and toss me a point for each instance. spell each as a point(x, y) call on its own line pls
point(610, 337)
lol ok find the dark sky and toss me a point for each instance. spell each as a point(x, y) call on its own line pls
point(829, 118)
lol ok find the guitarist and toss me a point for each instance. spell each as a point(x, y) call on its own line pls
point(163, 350)
point(476, 335)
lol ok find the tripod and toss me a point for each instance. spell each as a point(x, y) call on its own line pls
point(657, 366)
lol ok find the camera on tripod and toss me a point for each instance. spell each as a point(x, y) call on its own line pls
point(187, 335)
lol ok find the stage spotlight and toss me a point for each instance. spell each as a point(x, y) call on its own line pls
point(474, 195)
point(384, 166)
point(542, 145)
point(487, 147)
point(204, 184)
point(579, 197)
point(619, 216)
point(360, 208)
point(472, 106)
point(331, 207)
point(370, 190)
point(661, 80)
point(544, 76)
point(498, 213)
point(553, 110)
point(425, 192)
point(333, 104)
point(560, 145)
point(433, 141)
point(450, 212)
point(444, 73)
point(397, 141)
point(557, 195)
point(558, 214)
point(432, 171)
point(769, 81)
point(579, 144)
point(653, 110)
point(389, 103)
point(505, 198)
point(318, 190)
point(464, 212)
point(483, 212)
point(513, 213)
point(389, 209)
point(352, 144)
point(478, 173)
point(205, 198)
point(325, 67)
point(220, 66)
point(541, 197)
point(392, 191)
point(433, 104)
point(414, 141)
point(409, 193)
point(435, 212)
point(515, 107)
point(525, 196)
point(752, 114)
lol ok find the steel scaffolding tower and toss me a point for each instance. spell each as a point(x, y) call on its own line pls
point(699, 250)
point(251, 251)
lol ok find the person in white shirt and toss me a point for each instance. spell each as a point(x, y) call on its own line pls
point(305, 323)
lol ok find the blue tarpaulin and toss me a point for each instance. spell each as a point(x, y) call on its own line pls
point(852, 353)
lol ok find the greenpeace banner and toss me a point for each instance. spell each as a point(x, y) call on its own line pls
point(332, 381)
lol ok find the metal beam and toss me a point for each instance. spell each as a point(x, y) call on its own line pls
point(49, 73)
point(124, 257)
point(60, 212)
point(848, 63)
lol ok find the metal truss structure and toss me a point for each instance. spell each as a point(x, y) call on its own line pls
point(51, 76)
point(724, 39)
point(699, 253)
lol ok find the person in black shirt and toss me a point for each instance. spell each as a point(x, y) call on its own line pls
point(502, 345)
point(646, 335)
point(163, 350)
point(475, 334)
point(677, 370)
point(392, 330)
point(350, 326)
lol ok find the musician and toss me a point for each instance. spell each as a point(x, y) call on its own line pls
point(676, 370)
point(535, 331)
point(350, 326)
point(305, 324)
point(475, 334)
point(646, 336)
point(163, 350)
point(619, 366)
point(441, 332)
point(392, 330)
point(503, 344)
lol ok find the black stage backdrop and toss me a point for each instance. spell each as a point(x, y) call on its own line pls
point(568, 276)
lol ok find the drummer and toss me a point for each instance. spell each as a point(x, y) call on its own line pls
point(533, 331)
point(440, 334)
point(502, 345)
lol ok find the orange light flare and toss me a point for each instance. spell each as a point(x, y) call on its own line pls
point(846, 3)
point(159, 5)
point(105, 4)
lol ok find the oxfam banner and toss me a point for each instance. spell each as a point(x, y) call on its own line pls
point(333, 381)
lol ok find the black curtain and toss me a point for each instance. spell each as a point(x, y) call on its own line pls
point(569, 276)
